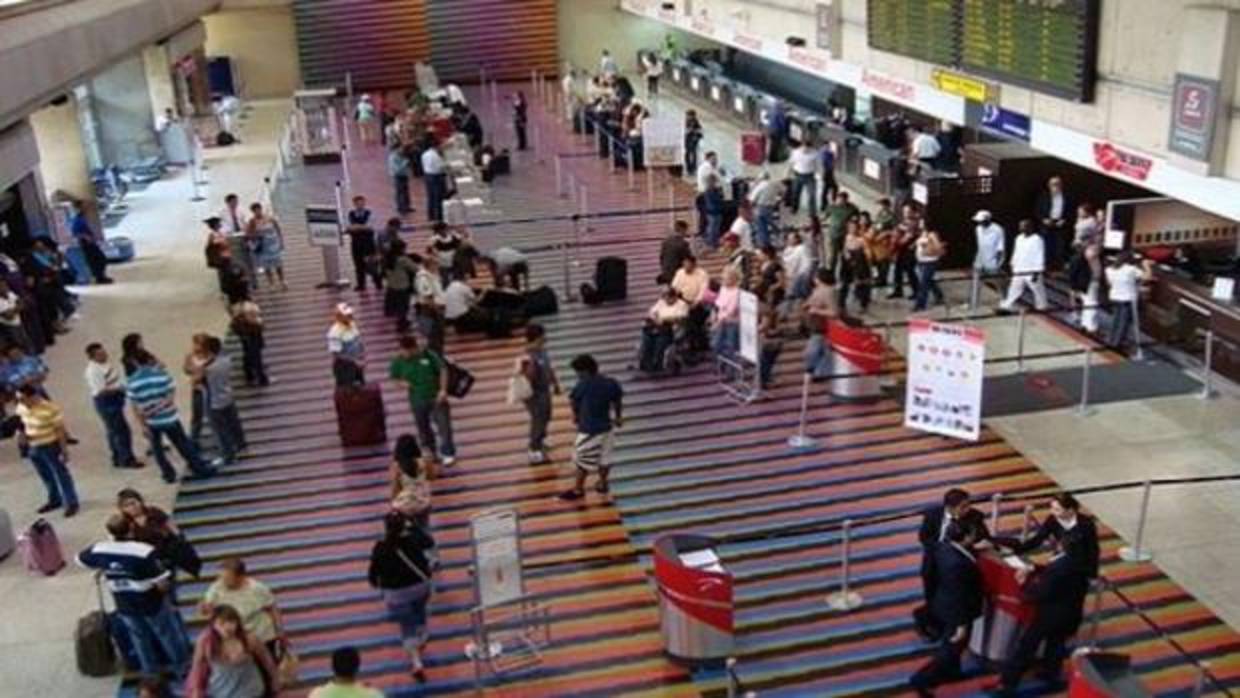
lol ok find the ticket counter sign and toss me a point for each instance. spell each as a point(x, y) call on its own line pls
point(946, 368)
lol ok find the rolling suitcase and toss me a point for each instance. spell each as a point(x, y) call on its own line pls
point(8, 541)
point(541, 301)
point(41, 548)
point(92, 640)
point(360, 415)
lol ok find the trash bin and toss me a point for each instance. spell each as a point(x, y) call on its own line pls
point(1104, 675)
point(695, 598)
point(857, 354)
point(1005, 613)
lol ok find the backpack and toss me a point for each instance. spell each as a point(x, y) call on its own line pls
point(1079, 273)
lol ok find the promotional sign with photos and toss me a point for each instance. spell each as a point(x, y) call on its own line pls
point(945, 371)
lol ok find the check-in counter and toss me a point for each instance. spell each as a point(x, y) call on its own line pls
point(719, 91)
point(875, 165)
point(699, 82)
point(679, 70)
point(1180, 311)
point(744, 103)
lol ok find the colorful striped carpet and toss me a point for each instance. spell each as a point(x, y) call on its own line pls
point(304, 512)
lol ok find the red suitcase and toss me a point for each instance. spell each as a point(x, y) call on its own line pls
point(359, 412)
point(40, 548)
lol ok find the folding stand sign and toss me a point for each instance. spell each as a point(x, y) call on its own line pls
point(739, 375)
point(323, 230)
point(510, 629)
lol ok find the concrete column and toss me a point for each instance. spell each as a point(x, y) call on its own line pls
point(1209, 51)
point(158, 72)
point(123, 111)
point(62, 156)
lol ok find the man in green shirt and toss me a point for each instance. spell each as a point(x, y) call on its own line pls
point(346, 663)
point(427, 377)
point(837, 215)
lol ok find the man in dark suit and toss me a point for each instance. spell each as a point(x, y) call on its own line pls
point(1072, 531)
point(956, 603)
point(1054, 214)
point(934, 525)
point(1058, 591)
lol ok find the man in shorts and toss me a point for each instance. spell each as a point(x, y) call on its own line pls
point(594, 399)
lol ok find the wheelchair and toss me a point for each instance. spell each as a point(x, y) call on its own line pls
point(666, 350)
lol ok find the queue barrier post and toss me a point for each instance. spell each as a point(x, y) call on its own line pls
point(1136, 553)
point(996, 504)
point(671, 199)
point(1083, 409)
point(733, 684)
point(845, 599)
point(629, 161)
point(1095, 616)
point(559, 185)
point(801, 441)
point(1026, 522)
point(1199, 684)
point(611, 153)
point(1020, 341)
point(649, 188)
point(1139, 354)
point(975, 289)
point(344, 166)
point(1207, 371)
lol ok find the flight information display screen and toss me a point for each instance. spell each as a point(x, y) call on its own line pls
point(1045, 45)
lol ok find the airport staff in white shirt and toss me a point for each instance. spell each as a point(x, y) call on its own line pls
point(804, 163)
point(1028, 265)
point(991, 245)
point(1124, 277)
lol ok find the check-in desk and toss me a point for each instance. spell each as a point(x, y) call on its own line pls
point(1179, 311)
point(1005, 613)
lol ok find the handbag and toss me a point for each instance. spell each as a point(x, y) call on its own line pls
point(184, 556)
point(288, 667)
point(519, 388)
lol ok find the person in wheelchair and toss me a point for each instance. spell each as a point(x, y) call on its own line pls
point(664, 324)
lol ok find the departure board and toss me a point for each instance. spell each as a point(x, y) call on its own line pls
point(923, 29)
point(1045, 45)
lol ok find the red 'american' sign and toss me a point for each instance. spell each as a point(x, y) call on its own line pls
point(1113, 160)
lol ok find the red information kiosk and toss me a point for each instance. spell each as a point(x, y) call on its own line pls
point(695, 598)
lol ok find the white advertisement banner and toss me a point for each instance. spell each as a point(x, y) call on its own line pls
point(749, 326)
point(497, 557)
point(946, 365)
point(663, 141)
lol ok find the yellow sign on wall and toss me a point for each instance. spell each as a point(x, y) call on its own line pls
point(963, 85)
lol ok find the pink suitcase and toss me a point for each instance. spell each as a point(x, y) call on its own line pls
point(40, 548)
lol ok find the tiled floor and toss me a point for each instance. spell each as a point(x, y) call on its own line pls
point(166, 295)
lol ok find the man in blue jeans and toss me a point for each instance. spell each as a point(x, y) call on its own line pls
point(139, 585)
point(427, 377)
point(152, 393)
point(107, 389)
point(44, 437)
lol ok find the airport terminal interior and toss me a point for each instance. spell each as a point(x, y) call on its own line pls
point(358, 348)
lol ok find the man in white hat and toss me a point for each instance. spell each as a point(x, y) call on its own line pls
point(344, 341)
point(991, 245)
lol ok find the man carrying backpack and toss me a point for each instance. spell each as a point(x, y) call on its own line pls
point(139, 585)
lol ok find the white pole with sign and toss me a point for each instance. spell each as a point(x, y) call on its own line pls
point(946, 367)
point(323, 232)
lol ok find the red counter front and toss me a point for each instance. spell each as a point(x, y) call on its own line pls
point(1006, 612)
point(695, 603)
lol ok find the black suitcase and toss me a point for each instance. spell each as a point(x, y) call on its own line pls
point(502, 164)
point(604, 144)
point(611, 279)
point(541, 301)
point(92, 640)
